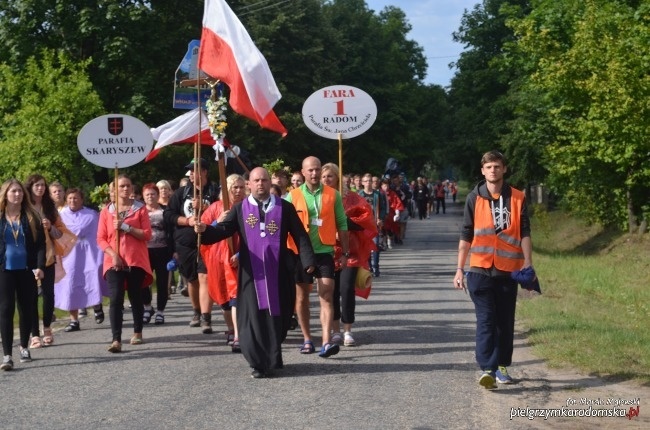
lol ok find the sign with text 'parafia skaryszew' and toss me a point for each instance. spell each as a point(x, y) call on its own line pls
point(115, 140)
point(339, 109)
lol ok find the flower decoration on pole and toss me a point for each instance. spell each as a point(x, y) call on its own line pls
point(216, 109)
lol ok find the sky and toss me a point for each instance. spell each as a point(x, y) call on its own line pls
point(432, 23)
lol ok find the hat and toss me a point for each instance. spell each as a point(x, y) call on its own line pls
point(202, 162)
point(527, 279)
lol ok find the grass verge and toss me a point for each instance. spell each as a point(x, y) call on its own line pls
point(594, 312)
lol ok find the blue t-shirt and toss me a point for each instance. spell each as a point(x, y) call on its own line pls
point(15, 250)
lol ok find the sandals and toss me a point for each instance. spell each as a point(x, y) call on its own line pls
point(337, 339)
point(230, 337)
point(146, 317)
point(36, 343)
point(48, 339)
point(307, 347)
point(294, 323)
point(73, 326)
point(99, 317)
point(160, 319)
point(235, 346)
point(137, 340)
point(115, 347)
point(328, 350)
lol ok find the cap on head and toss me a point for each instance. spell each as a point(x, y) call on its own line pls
point(202, 162)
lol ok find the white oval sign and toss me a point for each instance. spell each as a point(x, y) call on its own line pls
point(115, 140)
point(339, 109)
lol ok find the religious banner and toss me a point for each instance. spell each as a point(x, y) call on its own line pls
point(189, 81)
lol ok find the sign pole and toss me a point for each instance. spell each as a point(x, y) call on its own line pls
point(117, 210)
point(340, 137)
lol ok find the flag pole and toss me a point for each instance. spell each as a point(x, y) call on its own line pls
point(237, 157)
point(197, 166)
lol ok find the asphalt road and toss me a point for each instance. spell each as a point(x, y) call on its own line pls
point(413, 367)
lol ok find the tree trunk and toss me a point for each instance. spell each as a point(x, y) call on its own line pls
point(631, 218)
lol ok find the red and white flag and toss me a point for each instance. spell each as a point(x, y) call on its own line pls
point(183, 129)
point(228, 53)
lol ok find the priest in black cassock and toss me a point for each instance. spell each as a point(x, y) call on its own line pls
point(266, 291)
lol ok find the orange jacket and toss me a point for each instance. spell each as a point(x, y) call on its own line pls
point(502, 249)
point(327, 231)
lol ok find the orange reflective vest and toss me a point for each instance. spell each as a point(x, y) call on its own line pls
point(503, 249)
point(327, 231)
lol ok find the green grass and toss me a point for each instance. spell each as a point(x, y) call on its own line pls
point(594, 312)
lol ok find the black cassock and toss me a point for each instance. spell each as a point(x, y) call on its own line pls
point(260, 334)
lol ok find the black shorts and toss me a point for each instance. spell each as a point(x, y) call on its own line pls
point(188, 265)
point(324, 269)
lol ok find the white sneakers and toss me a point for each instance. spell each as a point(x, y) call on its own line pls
point(348, 340)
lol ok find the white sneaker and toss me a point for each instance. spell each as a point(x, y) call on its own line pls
point(7, 363)
point(348, 340)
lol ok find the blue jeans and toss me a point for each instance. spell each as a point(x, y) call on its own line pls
point(495, 299)
point(374, 257)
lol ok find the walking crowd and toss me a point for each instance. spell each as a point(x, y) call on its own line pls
point(257, 253)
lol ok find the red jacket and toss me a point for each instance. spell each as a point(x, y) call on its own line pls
point(133, 251)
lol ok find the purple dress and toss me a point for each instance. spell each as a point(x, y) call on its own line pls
point(83, 284)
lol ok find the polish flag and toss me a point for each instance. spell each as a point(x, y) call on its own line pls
point(184, 129)
point(228, 53)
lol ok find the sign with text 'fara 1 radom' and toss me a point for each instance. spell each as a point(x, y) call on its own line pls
point(339, 109)
point(115, 140)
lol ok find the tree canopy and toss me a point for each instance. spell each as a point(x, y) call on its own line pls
point(131, 50)
point(44, 106)
point(561, 87)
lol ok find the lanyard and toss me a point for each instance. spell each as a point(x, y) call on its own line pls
point(316, 204)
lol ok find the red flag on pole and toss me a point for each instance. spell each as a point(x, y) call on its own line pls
point(228, 53)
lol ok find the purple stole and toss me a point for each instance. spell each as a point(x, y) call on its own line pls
point(263, 240)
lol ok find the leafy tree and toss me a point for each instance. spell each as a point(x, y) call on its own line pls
point(595, 102)
point(136, 45)
point(45, 106)
point(481, 108)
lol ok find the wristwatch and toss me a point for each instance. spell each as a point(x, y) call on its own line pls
point(346, 254)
